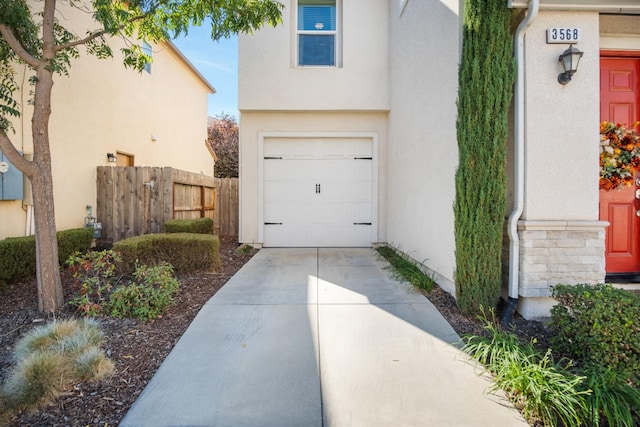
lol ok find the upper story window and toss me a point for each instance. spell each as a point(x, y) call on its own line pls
point(146, 49)
point(317, 33)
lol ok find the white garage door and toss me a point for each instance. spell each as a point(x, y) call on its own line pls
point(318, 192)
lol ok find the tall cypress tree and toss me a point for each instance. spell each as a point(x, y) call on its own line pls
point(485, 89)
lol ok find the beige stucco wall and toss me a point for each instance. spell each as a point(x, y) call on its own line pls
point(422, 152)
point(253, 123)
point(561, 165)
point(270, 80)
point(102, 107)
point(562, 122)
point(561, 239)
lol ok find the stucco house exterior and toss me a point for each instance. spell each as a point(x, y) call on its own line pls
point(348, 135)
point(104, 114)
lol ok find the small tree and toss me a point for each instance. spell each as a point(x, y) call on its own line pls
point(223, 138)
point(485, 87)
point(32, 33)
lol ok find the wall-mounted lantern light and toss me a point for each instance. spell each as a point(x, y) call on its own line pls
point(111, 157)
point(569, 60)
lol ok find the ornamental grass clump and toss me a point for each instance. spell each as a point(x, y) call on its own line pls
point(542, 389)
point(402, 267)
point(613, 401)
point(50, 359)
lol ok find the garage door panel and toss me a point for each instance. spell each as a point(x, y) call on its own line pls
point(346, 213)
point(292, 169)
point(346, 169)
point(346, 191)
point(286, 191)
point(294, 212)
point(318, 192)
point(317, 213)
point(318, 147)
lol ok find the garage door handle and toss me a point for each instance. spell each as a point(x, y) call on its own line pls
point(318, 189)
point(361, 223)
point(272, 223)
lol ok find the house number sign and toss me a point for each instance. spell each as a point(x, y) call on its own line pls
point(563, 35)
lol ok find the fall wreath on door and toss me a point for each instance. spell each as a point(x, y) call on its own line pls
point(619, 155)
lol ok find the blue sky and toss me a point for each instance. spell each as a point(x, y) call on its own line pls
point(218, 63)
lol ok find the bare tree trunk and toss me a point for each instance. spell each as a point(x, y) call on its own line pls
point(50, 296)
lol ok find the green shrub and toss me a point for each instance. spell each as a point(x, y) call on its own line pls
point(536, 385)
point(18, 254)
point(97, 290)
point(17, 258)
point(94, 275)
point(197, 225)
point(148, 296)
point(404, 268)
point(184, 251)
point(74, 240)
point(597, 325)
point(50, 359)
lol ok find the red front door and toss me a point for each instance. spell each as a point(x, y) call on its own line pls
point(620, 103)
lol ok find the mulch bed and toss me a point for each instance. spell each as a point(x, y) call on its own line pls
point(138, 348)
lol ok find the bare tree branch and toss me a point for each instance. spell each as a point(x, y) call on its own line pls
point(95, 35)
point(17, 47)
point(13, 155)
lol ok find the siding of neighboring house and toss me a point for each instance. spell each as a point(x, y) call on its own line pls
point(101, 108)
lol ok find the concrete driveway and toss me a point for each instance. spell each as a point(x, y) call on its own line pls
point(318, 337)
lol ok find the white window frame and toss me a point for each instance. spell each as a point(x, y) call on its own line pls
point(337, 33)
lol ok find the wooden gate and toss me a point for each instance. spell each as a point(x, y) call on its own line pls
point(227, 210)
point(138, 200)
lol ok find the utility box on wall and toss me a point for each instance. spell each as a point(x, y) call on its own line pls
point(11, 181)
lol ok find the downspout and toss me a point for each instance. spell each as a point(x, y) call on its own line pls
point(518, 154)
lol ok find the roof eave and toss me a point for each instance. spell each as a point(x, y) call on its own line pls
point(604, 6)
point(188, 63)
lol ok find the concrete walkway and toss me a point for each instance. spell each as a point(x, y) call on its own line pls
point(318, 337)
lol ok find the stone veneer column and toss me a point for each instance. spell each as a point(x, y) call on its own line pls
point(557, 252)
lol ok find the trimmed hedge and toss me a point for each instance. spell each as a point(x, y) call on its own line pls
point(197, 225)
point(18, 254)
point(184, 251)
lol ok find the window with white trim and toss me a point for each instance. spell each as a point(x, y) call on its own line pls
point(317, 33)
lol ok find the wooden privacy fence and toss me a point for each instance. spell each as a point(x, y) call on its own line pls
point(138, 200)
point(225, 222)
